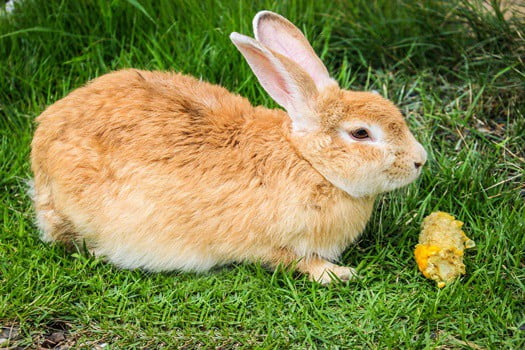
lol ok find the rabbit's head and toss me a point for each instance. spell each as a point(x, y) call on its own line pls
point(358, 141)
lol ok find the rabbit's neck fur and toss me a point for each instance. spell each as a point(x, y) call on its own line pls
point(325, 215)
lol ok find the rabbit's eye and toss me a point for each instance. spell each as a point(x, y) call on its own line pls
point(360, 134)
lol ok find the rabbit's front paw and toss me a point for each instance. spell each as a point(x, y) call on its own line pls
point(328, 272)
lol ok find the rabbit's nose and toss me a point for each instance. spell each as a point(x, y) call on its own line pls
point(421, 156)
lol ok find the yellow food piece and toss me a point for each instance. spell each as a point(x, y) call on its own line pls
point(439, 254)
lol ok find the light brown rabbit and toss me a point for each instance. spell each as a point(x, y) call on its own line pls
point(162, 171)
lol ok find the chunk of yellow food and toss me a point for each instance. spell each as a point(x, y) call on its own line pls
point(439, 254)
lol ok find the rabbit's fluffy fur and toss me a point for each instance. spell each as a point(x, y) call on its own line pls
point(162, 171)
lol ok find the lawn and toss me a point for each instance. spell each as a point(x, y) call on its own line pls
point(456, 70)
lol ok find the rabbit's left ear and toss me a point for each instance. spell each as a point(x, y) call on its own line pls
point(285, 81)
point(281, 36)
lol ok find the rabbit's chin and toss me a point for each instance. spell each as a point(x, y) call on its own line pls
point(354, 188)
point(370, 187)
point(395, 183)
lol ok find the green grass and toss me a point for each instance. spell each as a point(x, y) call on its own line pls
point(456, 70)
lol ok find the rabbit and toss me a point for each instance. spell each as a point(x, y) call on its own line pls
point(162, 171)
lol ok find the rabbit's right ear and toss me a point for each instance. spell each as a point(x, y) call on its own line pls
point(285, 81)
point(281, 36)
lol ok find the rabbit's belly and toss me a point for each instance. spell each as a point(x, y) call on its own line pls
point(155, 256)
point(134, 231)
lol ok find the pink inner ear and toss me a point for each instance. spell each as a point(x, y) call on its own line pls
point(288, 45)
point(270, 78)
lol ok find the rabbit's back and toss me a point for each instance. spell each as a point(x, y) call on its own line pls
point(144, 115)
point(137, 119)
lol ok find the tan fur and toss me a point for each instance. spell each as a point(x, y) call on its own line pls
point(162, 171)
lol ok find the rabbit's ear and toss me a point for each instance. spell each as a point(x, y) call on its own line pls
point(281, 36)
point(285, 81)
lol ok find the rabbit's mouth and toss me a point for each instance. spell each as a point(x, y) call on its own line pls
point(398, 179)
